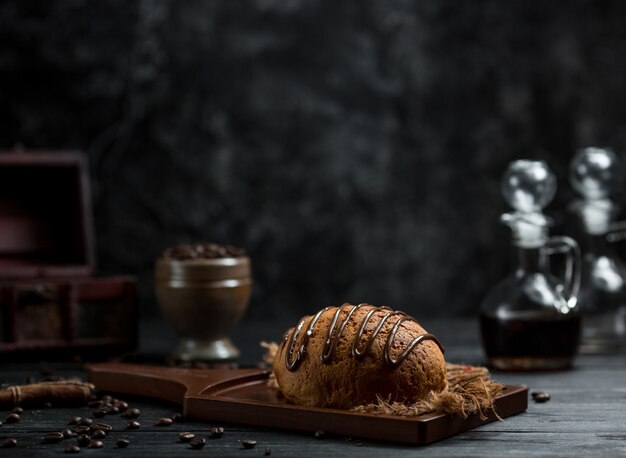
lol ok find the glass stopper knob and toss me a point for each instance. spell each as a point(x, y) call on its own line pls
point(595, 172)
point(528, 186)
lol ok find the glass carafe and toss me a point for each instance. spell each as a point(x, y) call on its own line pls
point(595, 173)
point(530, 320)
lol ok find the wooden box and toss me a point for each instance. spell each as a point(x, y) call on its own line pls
point(51, 303)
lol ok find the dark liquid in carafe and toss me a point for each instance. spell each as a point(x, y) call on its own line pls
point(540, 343)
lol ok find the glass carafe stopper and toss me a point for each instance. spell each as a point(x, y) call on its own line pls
point(595, 173)
point(528, 186)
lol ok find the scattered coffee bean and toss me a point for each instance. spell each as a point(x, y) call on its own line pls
point(122, 443)
point(248, 443)
point(18, 410)
point(319, 434)
point(186, 437)
point(85, 422)
point(217, 432)
point(96, 444)
point(83, 440)
point(121, 405)
point(197, 443)
point(67, 433)
point(99, 413)
point(81, 429)
point(102, 426)
point(98, 434)
point(268, 451)
point(72, 448)
point(106, 399)
point(12, 418)
point(177, 417)
point(11, 442)
point(133, 425)
point(74, 421)
point(110, 409)
point(54, 437)
point(131, 413)
point(540, 396)
point(46, 405)
point(94, 404)
point(163, 421)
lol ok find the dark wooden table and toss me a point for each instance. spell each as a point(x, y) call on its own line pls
point(586, 415)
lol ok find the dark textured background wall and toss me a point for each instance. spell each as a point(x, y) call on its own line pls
point(353, 147)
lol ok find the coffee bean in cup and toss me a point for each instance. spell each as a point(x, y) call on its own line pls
point(202, 251)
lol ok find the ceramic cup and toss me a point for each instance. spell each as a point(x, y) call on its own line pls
point(203, 299)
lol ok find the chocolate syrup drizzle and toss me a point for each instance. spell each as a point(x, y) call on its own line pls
point(293, 360)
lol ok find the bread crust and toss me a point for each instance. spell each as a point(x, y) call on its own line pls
point(345, 380)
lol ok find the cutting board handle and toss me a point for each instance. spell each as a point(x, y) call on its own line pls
point(167, 383)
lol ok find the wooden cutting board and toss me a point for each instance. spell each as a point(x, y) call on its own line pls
point(242, 396)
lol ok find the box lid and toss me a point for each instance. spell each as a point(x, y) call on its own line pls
point(45, 215)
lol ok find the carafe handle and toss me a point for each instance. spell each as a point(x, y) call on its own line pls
point(571, 250)
point(617, 232)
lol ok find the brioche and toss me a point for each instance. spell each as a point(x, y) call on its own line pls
point(348, 356)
